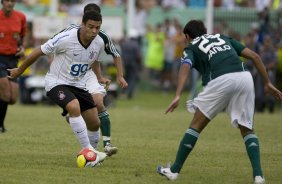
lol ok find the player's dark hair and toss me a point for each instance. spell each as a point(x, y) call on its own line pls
point(92, 7)
point(195, 28)
point(91, 15)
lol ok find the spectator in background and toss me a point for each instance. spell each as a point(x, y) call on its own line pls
point(29, 45)
point(169, 4)
point(132, 61)
point(166, 74)
point(251, 42)
point(262, 7)
point(228, 4)
point(269, 59)
point(155, 52)
point(24, 91)
point(217, 3)
point(196, 3)
point(179, 42)
point(140, 17)
point(11, 49)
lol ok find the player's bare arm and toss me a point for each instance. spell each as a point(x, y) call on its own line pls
point(249, 54)
point(16, 72)
point(182, 76)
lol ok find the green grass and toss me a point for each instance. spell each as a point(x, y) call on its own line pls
point(40, 148)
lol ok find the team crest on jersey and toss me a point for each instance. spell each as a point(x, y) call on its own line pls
point(61, 95)
point(92, 54)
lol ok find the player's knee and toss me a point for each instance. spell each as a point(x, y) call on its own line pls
point(245, 131)
point(93, 124)
point(73, 108)
point(100, 105)
point(13, 98)
point(12, 101)
point(6, 97)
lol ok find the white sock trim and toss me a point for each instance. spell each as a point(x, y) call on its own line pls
point(106, 138)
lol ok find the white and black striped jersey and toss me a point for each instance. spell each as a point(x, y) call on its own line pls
point(109, 48)
point(71, 59)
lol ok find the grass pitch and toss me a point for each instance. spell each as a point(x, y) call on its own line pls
point(40, 148)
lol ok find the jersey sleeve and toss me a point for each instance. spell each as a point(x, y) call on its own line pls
point(187, 57)
point(237, 46)
point(54, 44)
point(110, 48)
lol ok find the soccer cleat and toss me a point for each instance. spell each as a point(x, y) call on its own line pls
point(165, 171)
point(101, 156)
point(110, 150)
point(93, 163)
point(259, 180)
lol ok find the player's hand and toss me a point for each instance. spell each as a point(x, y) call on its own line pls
point(14, 73)
point(269, 88)
point(121, 82)
point(105, 81)
point(173, 105)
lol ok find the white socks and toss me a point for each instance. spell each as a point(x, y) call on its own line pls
point(79, 128)
point(94, 138)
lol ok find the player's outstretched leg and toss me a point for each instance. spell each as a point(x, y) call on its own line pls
point(252, 147)
point(185, 147)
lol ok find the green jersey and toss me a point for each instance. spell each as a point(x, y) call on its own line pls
point(213, 56)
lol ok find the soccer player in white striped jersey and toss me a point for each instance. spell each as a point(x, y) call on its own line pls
point(75, 52)
point(93, 83)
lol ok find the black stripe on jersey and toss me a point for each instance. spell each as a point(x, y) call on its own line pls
point(72, 26)
point(109, 46)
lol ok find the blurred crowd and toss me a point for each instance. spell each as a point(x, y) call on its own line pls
point(158, 48)
point(166, 4)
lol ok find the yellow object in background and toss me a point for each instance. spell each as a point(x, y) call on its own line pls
point(45, 2)
point(279, 55)
point(27, 72)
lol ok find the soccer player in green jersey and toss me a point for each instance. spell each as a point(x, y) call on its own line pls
point(227, 85)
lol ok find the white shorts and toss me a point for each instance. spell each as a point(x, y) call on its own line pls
point(92, 84)
point(233, 92)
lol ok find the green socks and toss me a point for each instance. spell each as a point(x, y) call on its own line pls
point(190, 138)
point(252, 146)
point(186, 145)
point(105, 126)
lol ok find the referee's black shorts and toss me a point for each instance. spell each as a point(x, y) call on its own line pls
point(7, 62)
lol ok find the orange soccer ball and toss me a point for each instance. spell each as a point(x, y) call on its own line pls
point(86, 158)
